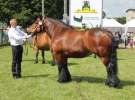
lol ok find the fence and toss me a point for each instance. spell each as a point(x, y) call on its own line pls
point(3, 34)
point(3, 37)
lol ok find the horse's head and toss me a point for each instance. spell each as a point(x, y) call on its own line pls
point(48, 25)
point(36, 27)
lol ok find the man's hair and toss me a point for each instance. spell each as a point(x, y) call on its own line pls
point(12, 21)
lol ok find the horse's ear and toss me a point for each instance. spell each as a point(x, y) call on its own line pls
point(44, 17)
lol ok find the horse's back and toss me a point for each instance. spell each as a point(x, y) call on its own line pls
point(98, 41)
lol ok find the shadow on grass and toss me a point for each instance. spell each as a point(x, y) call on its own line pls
point(36, 76)
point(101, 80)
point(129, 59)
point(88, 79)
point(122, 59)
point(29, 60)
point(70, 63)
point(127, 83)
point(47, 61)
point(39, 61)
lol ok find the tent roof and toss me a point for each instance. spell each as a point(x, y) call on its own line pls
point(111, 23)
point(130, 23)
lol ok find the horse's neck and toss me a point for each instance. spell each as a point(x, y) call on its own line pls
point(59, 24)
point(54, 29)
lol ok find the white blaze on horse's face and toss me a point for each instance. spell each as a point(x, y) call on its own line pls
point(40, 22)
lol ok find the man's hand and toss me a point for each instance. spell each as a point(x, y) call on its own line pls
point(28, 36)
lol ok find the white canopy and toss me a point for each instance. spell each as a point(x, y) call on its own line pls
point(113, 25)
point(130, 25)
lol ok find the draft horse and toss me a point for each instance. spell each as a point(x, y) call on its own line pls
point(68, 42)
point(40, 41)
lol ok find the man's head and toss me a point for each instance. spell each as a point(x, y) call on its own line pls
point(13, 23)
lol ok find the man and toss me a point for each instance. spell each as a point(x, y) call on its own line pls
point(16, 38)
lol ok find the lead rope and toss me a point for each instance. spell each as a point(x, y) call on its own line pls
point(26, 48)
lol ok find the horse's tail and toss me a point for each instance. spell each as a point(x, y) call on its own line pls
point(113, 56)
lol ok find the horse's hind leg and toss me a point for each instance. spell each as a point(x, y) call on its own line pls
point(43, 57)
point(63, 72)
point(36, 56)
point(111, 67)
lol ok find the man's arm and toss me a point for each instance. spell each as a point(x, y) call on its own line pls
point(15, 36)
point(22, 32)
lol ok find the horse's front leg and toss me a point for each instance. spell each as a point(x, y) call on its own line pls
point(111, 67)
point(36, 55)
point(53, 59)
point(63, 72)
point(43, 57)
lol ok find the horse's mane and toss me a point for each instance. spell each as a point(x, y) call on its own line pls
point(99, 29)
point(96, 29)
point(59, 22)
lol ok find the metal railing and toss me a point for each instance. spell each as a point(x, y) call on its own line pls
point(3, 34)
point(3, 37)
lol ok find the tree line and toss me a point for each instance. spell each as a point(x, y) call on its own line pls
point(25, 11)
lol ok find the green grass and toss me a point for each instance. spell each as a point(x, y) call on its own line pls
point(39, 81)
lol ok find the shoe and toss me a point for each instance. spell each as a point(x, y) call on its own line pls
point(17, 76)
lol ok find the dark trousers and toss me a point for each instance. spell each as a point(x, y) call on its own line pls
point(16, 59)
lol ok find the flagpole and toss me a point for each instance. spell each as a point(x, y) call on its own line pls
point(43, 15)
point(101, 24)
point(65, 11)
point(126, 30)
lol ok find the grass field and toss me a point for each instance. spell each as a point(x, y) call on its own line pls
point(39, 81)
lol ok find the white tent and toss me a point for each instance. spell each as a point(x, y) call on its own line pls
point(130, 25)
point(113, 25)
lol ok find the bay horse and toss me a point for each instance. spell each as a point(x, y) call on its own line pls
point(67, 42)
point(40, 41)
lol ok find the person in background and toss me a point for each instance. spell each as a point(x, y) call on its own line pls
point(16, 39)
point(134, 39)
point(131, 41)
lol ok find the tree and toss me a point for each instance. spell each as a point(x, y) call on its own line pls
point(121, 20)
point(103, 14)
point(26, 10)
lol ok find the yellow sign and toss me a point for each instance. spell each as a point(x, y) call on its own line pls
point(85, 11)
point(86, 8)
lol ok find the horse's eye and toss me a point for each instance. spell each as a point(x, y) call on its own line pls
point(36, 23)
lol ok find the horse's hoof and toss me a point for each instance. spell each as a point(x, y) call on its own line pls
point(53, 63)
point(43, 62)
point(35, 62)
point(112, 83)
point(64, 81)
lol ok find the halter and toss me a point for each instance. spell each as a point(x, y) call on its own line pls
point(25, 48)
point(40, 26)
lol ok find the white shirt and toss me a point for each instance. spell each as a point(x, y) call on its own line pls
point(16, 36)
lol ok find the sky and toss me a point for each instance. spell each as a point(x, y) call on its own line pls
point(117, 8)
